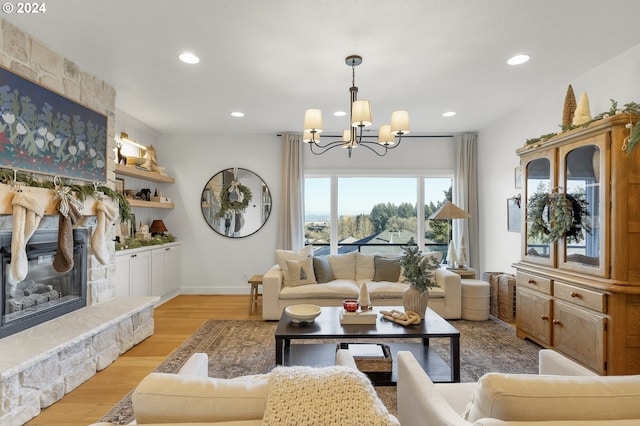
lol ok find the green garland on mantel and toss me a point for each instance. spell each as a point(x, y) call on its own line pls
point(629, 108)
point(82, 192)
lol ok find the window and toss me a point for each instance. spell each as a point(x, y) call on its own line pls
point(373, 214)
point(317, 211)
point(437, 233)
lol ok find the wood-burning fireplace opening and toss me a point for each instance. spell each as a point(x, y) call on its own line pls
point(44, 294)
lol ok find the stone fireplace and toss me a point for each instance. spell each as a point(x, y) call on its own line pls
point(39, 365)
point(45, 293)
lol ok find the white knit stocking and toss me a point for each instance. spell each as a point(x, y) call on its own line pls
point(106, 213)
point(27, 213)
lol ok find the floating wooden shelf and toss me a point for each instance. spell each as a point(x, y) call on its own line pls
point(152, 204)
point(142, 174)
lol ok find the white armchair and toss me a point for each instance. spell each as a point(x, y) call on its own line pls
point(190, 397)
point(564, 393)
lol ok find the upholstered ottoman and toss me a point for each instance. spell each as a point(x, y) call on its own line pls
point(475, 300)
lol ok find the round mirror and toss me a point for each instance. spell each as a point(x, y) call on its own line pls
point(236, 202)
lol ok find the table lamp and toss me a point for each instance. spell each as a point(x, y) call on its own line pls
point(157, 227)
point(449, 211)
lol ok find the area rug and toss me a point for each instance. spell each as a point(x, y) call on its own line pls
point(237, 348)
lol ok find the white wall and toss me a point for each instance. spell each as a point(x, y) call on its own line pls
point(616, 79)
point(413, 154)
point(211, 263)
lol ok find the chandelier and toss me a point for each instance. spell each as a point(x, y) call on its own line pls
point(389, 135)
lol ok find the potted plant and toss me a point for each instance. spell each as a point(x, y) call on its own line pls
point(418, 270)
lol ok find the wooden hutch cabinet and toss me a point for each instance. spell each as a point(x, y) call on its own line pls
point(581, 294)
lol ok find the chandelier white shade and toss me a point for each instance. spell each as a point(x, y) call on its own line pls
point(313, 121)
point(389, 135)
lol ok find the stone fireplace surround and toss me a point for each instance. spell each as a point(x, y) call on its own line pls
point(38, 366)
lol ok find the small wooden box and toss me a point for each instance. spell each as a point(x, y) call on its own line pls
point(371, 364)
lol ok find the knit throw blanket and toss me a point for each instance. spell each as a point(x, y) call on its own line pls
point(308, 396)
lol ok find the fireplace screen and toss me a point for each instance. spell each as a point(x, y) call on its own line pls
point(44, 293)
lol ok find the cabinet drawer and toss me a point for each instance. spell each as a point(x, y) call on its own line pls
point(535, 282)
point(580, 296)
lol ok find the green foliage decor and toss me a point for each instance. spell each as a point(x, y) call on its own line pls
point(418, 270)
point(234, 206)
point(628, 108)
point(131, 243)
point(82, 192)
point(555, 216)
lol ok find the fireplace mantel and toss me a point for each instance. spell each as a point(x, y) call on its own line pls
point(48, 198)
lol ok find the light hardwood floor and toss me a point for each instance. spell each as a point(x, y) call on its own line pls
point(175, 321)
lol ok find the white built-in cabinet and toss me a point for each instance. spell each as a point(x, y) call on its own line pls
point(148, 271)
point(165, 274)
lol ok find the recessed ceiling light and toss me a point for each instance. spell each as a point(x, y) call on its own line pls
point(189, 58)
point(237, 114)
point(339, 113)
point(448, 114)
point(518, 59)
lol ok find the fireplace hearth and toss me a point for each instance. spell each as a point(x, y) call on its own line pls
point(44, 294)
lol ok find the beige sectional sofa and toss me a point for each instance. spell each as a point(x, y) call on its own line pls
point(328, 280)
point(563, 394)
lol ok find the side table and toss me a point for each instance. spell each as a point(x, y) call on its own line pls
point(254, 281)
point(468, 273)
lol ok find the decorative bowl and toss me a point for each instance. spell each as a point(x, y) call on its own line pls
point(302, 313)
point(350, 305)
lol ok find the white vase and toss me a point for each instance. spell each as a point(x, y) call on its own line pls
point(415, 300)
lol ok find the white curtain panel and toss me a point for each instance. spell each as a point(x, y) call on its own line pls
point(291, 229)
point(465, 196)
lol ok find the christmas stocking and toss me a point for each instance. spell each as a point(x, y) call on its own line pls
point(106, 214)
point(63, 260)
point(27, 212)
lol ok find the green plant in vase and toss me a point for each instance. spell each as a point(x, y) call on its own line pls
point(419, 272)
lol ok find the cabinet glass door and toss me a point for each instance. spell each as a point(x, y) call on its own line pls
point(538, 181)
point(581, 174)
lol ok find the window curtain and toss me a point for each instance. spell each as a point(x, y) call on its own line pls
point(465, 196)
point(291, 229)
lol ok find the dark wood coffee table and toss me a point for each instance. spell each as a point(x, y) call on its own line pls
point(327, 326)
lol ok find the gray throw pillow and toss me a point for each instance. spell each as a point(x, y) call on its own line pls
point(322, 269)
point(387, 269)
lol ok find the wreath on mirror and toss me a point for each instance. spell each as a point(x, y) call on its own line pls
point(239, 203)
point(553, 216)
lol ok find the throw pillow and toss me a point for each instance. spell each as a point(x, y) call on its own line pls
point(365, 268)
point(301, 271)
point(387, 269)
point(283, 255)
point(322, 270)
point(343, 266)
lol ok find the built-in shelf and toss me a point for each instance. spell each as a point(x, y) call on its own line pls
point(143, 174)
point(152, 204)
point(134, 172)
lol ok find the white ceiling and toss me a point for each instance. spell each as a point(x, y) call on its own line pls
point(272, 59)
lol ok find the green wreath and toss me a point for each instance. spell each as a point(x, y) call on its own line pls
point(556, 215)
point(233, 206)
